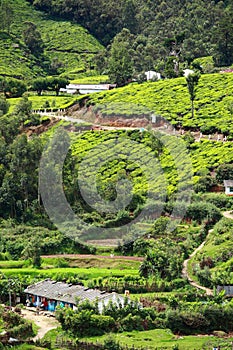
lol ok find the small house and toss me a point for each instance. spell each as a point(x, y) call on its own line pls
point(228, 290)
point(152, 75)
point(187, 72)
point(49, 294)
point(228, 184)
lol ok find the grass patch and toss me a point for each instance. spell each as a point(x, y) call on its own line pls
point(120, 264)
point(83, 274)
point(11, 264)
point(67, 43)
point(39, 102)
point(96, 79)
point(162, 339)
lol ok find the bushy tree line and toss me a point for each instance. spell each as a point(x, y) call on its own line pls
point(12, 87)
point(160, 29)
point(181, 317)
point(15, 325)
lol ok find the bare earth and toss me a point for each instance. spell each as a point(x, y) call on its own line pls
point(228, 214)
point(84, 256)
point(44, 323)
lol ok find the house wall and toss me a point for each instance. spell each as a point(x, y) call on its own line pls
point(228, 191)
point(116, 299)
point(47, 304)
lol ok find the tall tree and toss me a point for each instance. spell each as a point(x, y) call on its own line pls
point(129, 16)
point(4, 106)
point(192, 82)
point(224, 37)
point(7, 15)
point(56, 83)
point(32, 38)
point(120, 65)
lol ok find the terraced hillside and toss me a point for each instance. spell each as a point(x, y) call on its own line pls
point(67, 45)
point(170, 99)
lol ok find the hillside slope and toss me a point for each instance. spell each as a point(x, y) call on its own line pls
point(69, 46)
point(170, 99)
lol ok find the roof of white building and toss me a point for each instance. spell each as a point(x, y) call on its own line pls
point(68, 293)
point(228, 183)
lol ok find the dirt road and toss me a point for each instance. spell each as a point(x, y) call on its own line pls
point(44, 323)
point(186, 275)
point(228, 214)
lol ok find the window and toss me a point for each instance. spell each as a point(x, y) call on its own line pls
point(231, 189)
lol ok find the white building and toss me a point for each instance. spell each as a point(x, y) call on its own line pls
point(51, 294)
point(150, 75)
point(187, 72)
point(86, 88)
point(228, 184)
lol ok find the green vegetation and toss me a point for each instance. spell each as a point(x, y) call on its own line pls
point(48, 102)
point(158, 29)
point(15, 326)
point(93, 79)
point(62, 51)
point(163, 339)
point(213, 265)
point(170, 99)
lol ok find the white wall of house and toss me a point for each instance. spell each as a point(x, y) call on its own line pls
point(152, 74)
point(229, 191)
point(116, 299)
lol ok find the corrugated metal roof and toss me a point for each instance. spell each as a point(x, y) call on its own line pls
point(67, 292)
point(228, 183)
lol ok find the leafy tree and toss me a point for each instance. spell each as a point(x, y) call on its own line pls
point(14, 87)
point(32, 251)
point(129, 16)
point(4, 106)
point(162, 261)
point(160, 227)
point(7, 15)
point(56, 83)
point(224, 172)
point(224, 37)
point(120, 65)
point(32, 39)
point(39, 85)
point(24, 108)
point(192, 82)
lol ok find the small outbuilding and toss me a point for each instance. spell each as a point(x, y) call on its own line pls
point(228, 184)
point(152, 75)
point(187, 72)
point(228, 290)
point(49, 294)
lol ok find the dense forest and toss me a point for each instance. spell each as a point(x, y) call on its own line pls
point(185, 29)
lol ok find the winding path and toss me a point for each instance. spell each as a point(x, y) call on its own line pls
point(186, 275)
point(227, 214)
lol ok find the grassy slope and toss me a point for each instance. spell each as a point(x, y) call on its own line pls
point(69, 43)
point(218, 247)
point(161, 339)
point(38, 102)
point(170, 99)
